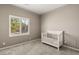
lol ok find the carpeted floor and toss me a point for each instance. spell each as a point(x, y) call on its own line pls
point(35, 47)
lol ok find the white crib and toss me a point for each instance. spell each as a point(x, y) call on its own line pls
point(54, 38)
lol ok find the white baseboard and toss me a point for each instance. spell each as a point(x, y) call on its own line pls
point(18, 44)
point(71, 47)
point(26, 42)
point(12, 46)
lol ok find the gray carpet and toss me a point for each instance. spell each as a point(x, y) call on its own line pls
point(35, 47)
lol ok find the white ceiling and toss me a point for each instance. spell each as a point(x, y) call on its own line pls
point(39, 8)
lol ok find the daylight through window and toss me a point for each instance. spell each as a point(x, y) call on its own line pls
point(18, 26)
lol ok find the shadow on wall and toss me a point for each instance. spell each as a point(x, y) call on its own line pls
point(71, 40)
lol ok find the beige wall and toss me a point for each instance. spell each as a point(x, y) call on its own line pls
point(5, 11)
point(65, 18)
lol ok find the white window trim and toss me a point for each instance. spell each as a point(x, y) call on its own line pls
point(20, 33)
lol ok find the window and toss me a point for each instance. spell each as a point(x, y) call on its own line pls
point(18, 26)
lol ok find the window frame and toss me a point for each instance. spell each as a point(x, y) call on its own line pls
point(20, 33)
